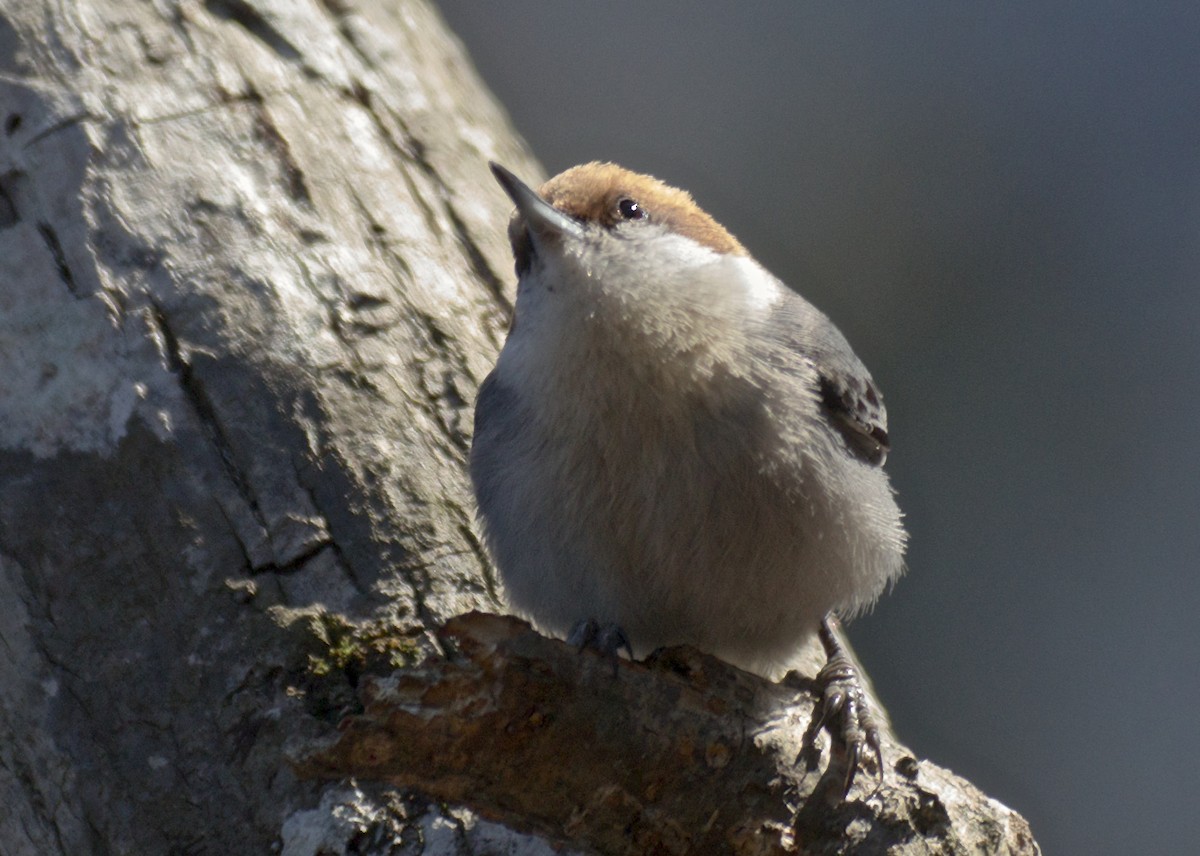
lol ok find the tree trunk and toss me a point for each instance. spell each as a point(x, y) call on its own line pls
point(252, 271)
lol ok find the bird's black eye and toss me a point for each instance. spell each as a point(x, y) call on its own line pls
point(630, 210)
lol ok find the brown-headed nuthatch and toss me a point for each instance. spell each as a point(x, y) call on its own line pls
point(673, 446)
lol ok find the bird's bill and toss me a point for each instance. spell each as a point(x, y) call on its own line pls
point(541, 218)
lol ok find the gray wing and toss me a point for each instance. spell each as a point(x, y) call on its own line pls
point(856, 410)
point(492, 403)
point(498, 444)
point(849, 397)
point(495, 408)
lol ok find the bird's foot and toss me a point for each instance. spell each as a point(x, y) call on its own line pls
point(607, 639)
point(845, 710)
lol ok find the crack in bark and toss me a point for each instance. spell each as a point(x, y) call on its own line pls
point(61, 125)
point(479, 263)
point(308, 483)
point(206, 414)
point(253, 22)
point(376, 232)
point(413, 151)
point(54, 245)
point(300, 560)
point(441, 390)
point(339, 555)
point(413, 572)
point(474, 254)
point(224, 99)
point(357, 376)
point(237, 538)
point(485, 562)
point(10, 215)
point(294, 182)
point(338, 13)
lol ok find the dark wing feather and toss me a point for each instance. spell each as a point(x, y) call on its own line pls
point(848, 396)
point(856, 410)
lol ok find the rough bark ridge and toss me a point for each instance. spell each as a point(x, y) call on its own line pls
point(249, 281)
point(251, 273)
point(679, 754)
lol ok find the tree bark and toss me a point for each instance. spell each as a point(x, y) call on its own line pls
point(252, 271)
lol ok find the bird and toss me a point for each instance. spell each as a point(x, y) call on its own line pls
point(676, 448)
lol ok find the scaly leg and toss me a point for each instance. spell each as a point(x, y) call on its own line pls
point(608, 639)
point(844, 708)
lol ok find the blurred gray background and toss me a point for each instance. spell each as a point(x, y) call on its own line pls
point(999, 204)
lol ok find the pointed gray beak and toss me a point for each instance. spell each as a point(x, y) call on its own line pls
point(542, 219)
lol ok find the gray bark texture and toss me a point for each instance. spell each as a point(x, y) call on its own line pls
point(252, 271)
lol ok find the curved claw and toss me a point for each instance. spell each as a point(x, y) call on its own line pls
point(851, 768)
point(876, 744)
point(583, 633)
point(607, 639)
point(612, 639)
point(845, 711)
